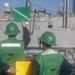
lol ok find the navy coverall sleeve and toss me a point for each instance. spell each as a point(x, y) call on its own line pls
point(4, 66)
point(35, 68)
point(26, 36)
point(66, 68)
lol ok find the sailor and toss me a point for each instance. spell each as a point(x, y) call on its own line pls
point(50, 62)
point(11, 50)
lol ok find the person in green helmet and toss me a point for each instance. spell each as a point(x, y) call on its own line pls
point(11, 50)
point(50, 62)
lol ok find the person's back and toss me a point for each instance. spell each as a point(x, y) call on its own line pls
point(49, 62)
point(11, 50)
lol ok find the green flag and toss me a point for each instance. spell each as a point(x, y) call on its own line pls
point(21, 13)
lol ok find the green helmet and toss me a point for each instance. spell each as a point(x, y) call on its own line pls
point(48, 38)
point(12, 29)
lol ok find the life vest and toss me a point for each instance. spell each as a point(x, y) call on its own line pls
point(49, 62)
point(11, 50)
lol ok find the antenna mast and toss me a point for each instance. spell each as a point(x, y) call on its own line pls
point(29, 4)
point(66, 13)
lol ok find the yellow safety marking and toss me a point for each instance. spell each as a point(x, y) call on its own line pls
point(23, 67)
